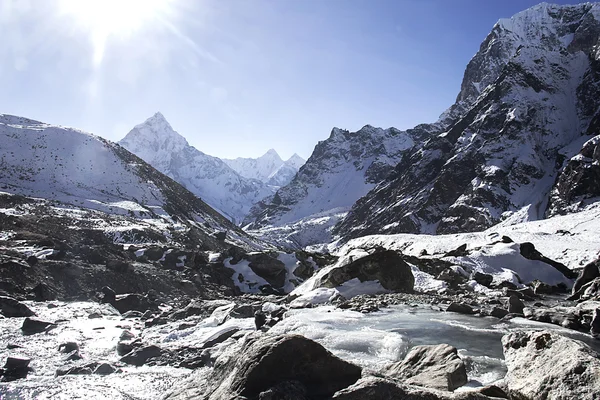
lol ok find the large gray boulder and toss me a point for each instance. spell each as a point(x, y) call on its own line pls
point(265, 362)
point(385, 266)
point(590, 272)
point(371, 387)
point(432, 366)
point(10, 307)
point(546, 365)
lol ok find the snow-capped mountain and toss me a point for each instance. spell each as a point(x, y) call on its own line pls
point(208, 177)
point(86, 175)
point(340, 170)
point(529, 100)
point(268, 168)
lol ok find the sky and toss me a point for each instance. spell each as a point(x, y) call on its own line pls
point(238, 77)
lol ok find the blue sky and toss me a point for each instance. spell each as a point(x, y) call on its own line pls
point(238, 77)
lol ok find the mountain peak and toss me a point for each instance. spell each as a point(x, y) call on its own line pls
point(271, 153)
point(296, 161)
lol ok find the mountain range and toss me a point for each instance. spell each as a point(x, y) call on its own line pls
point(232, 187)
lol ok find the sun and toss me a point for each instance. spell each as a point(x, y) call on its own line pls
point(120, 19)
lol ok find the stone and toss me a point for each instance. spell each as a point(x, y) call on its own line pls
point(134, 301)
point(140, 356)
point(546, 365)
point(68, 347)
point(562, 316)
point(385, 266)
point(32, 326)
point(109, 295)
point(377, 388)
point(482, 279)
point(460, 308)
point(15, 368)
point(119, 266)
point(432, 366)
point(269, 268)
point(264, 361)
point(515, 305)
point(595, 324)
point(460, 251)
point(43, 292)
point(590, 272)
point(13, 308)
point(529, 251)
point(499, 312)
point(105, 369)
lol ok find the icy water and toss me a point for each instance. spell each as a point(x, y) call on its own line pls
point(371, 340)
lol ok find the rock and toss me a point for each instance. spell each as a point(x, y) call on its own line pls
point(13, 308)
point(15, 368)
point(452, 277)
point(109, 295)
point(546, 365)
point(493, 391)
point(515, 305)
point(460, 251)
point(68, 347)
point(499, 312)
point(483, 279)
point(32, 326)
point(460, 308)
point(590, 272)
point(132, 314)
point(220, 236)
point(105, 369)
point(433, 366)
point(377, 388)
point(595, 325)
point(134, 301)
point(140, 356)
point(260, 318)
point(86, 369)
point(43, 292)
point(590, 291)
point(529, 251)
point(94, 315)
point(543, 288)
point(269, 268)
point(32, 260)
point(565, 317)
point(73, 356)
point(265, 361)
point(385, 266)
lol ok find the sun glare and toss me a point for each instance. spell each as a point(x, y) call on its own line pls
point(113, 18)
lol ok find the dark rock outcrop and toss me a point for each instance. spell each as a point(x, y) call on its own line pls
point(385, 266)
point(32, 326)
point(10, 307)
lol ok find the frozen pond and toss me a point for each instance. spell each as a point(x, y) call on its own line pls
point(370, 340)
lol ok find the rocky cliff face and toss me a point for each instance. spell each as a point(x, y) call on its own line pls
point(340, 170)
point(528, 100)
point(207, 177)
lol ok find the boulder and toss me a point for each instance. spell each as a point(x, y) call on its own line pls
point(32, 326)
point(13, 308)
point(483, 279)
point(378, 388)
point(546, 365)
point(265, 361)
point(595, 324)
point(570, 318)
point(43, 292)
point(135, 302)
point(460, 308)
point(529, 251)
point(68, 347)
point(432, 366)
point(385, 266)
point(590, 272)
point(141, 355)
point(590, 291)
point(460, 251)
point(452, 277)
point(515, 305)
point(15, 368)
point(499, 312)
point(119, 266)
point(269, 268)
point(287, 390)
point(109, 296)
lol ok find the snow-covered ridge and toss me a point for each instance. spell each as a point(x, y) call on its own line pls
point(268, 168)
point(208, 177)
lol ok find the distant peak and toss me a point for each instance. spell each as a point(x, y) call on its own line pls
point(271, 153)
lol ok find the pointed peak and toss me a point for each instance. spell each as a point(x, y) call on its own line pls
point(271, 153)
point(296, 157)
